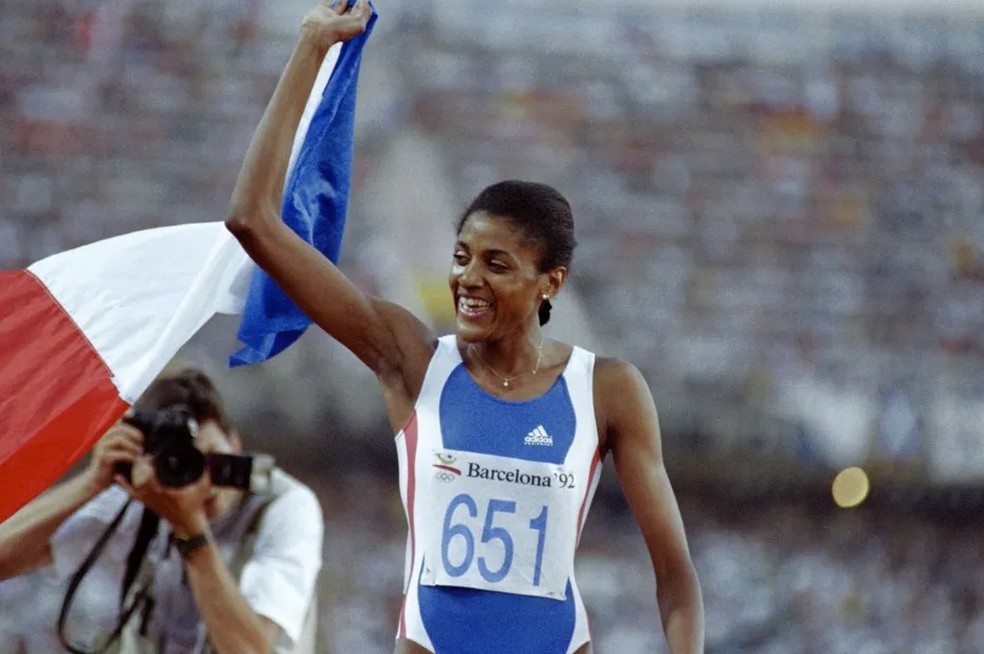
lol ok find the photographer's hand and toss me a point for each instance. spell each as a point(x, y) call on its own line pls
point(123, 443)
point(233, 627)
point(183, 508)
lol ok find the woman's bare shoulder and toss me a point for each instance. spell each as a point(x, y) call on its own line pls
point(613, 374)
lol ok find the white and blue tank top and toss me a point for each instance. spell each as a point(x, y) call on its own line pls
point(496, 493)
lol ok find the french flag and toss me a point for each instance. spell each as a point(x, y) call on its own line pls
point(84, 332)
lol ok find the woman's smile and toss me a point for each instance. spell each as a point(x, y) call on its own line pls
point(473, 308)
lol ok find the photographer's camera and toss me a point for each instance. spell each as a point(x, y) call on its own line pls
point(169, 436)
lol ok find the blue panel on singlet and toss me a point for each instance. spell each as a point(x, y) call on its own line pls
point(469, 621)
point(541, 429)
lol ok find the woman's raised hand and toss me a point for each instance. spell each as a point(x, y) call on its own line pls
point(332, 22)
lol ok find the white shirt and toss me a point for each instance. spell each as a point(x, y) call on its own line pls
point(278, 581)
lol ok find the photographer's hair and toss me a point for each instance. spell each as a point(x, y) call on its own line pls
point(190, 388)
point(541, 212)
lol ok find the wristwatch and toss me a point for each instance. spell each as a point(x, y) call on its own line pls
point(186, 546)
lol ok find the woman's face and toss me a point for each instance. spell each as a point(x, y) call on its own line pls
point(495, 279)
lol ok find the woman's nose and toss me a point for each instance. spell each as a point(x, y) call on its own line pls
point(469, 276)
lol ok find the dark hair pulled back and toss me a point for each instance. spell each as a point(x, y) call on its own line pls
point(541, 212)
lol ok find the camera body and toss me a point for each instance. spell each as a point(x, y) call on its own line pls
point(169, 436)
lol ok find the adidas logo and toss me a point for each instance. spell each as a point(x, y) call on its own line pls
point(538, 436)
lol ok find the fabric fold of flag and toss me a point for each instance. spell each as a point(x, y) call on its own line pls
point(315, 199)
point(84, 332)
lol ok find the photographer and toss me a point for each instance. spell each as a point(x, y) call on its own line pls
point(226, 570)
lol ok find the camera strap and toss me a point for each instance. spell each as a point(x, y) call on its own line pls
point(149, 523)
point(144, 535)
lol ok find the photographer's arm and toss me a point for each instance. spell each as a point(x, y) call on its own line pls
point(25, 537)
point(233, 627)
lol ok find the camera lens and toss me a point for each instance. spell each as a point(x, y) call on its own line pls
point(179, 464)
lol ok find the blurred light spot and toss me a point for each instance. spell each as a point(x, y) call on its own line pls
point(850, 487)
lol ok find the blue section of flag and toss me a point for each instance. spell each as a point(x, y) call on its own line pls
point(314, 206)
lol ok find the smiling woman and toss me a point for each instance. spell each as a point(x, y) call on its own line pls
point(501, 432)
point(540, 219)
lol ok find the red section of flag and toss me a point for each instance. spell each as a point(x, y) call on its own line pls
point(56, 394)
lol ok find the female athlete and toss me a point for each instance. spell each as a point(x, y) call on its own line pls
point(501, 431)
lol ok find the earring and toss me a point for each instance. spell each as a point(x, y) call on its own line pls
point(546, 296)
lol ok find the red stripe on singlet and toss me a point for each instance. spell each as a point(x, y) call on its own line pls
point(595, 467)
point(595, 461)
point(410, 439)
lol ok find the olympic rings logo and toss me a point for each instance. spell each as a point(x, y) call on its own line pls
point(446, 477)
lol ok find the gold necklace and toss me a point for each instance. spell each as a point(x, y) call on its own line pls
point(505, 380)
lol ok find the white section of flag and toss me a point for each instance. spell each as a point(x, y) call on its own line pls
point(314, 99)
point(139, 297)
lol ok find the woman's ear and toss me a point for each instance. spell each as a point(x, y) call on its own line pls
point(555, 281)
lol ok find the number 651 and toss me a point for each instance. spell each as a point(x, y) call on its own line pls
point(490, 532)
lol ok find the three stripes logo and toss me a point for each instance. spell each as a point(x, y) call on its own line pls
point(538, 436)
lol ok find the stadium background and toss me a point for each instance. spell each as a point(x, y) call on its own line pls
point(781, 216)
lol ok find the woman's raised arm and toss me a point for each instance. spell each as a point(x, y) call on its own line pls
point(388, 339)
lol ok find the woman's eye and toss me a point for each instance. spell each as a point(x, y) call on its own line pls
point(460, 258)
point(498, 266)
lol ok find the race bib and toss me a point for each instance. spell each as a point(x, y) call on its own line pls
point(498, 523)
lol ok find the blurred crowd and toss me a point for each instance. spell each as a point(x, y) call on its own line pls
point(779, 211)
point(780, 221)
point(777, 577)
